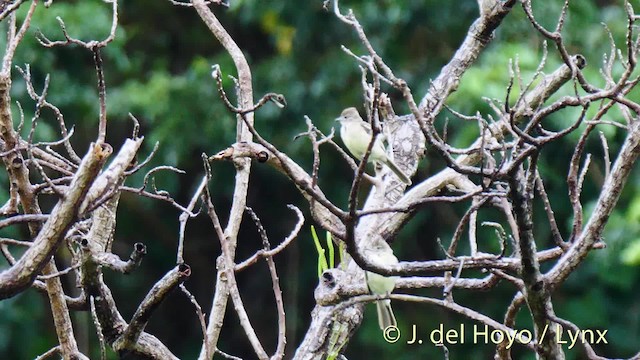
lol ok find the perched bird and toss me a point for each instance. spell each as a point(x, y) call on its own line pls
point(356, 135)
point(381, 253)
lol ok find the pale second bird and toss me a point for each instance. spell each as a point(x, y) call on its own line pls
point(382, 254)
point(356, 135)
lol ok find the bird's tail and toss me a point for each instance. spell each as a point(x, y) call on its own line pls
point(397, 171)
point(385, 314)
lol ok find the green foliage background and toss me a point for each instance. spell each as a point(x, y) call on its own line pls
point(159, 70)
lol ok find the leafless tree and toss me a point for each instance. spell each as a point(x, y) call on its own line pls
point(499, 170)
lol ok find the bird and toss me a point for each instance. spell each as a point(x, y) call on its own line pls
point(356, 135)
point(381, 253)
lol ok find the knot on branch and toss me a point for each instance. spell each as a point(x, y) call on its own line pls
point(335, 286)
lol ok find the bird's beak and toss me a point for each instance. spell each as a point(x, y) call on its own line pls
point(339, 119)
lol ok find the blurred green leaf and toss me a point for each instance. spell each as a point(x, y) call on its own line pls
point(631, 255)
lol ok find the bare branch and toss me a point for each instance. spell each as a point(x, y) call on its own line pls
point(156, 295)
point(22, 274)
point(272, 252)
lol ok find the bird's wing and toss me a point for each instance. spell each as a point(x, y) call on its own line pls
point(367, 127)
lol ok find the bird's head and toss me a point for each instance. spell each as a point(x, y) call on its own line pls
point(349, 114)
